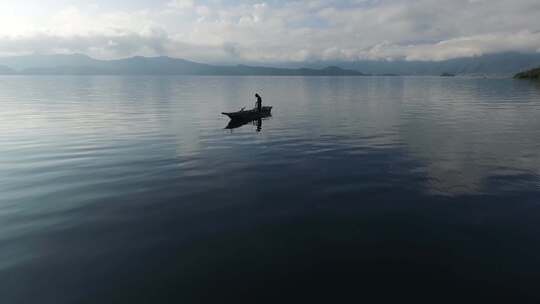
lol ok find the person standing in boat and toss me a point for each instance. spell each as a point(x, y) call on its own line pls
point(258, 103)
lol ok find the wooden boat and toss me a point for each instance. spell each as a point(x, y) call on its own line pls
point(249, 114)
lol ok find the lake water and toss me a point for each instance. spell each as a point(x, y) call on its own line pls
point(131, 190)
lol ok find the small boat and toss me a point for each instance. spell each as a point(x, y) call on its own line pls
point(249, 114)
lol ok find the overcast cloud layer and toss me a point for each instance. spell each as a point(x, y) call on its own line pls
point(271, 31)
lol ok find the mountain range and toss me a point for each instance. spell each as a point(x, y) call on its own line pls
point(77, 64)
point(83, 65)
point(506, 64)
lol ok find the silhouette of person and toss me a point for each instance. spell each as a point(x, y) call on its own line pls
point(258, 103)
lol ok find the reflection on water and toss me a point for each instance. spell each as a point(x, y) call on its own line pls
point(237, 123)
point(127, 189)
point(470, 136)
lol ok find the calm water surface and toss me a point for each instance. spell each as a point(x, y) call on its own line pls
point(130, 190)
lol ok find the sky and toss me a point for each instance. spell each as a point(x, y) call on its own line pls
point(232, 31)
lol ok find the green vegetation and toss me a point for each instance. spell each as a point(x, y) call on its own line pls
point(530, 74)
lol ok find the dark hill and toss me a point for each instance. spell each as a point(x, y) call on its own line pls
point(530, 74)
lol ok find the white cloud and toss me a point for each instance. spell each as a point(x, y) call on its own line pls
point(181, 4)
point(293, 30)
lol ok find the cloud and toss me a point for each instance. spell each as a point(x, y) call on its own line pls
point(116, 45)
point(469, 46)
point(219, 31)
point(181, 4)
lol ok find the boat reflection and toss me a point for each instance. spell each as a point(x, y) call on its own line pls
point(237, 123)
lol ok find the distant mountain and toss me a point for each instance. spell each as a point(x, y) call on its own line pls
point(530, 74)
point(5, 70)
point(501, 64)
point(84, 65)
point(20, 63)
